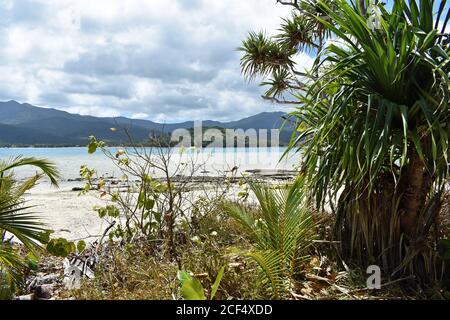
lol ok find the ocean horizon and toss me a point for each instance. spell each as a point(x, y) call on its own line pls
point(212, 161)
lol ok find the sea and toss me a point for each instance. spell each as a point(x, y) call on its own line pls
point(207, 161)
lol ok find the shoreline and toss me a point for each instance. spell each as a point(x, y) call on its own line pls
point(71, 216)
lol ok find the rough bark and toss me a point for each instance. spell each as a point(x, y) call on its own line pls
point(416, 183)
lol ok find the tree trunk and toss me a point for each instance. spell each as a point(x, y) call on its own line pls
point(416, 184)
point(170, 234)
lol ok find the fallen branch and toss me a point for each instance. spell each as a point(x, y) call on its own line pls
point(103, 236)
point(343, 291)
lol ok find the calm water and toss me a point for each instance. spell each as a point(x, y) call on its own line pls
point(69, 160)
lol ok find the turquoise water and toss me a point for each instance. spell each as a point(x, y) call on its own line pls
point(69, 160)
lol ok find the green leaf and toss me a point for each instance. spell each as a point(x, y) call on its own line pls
point(191, 288)
point(81, 245)
point(183, 276)
point(93, 145)
point(158, 216)
point(61, 247)
point(216, 284)
point(113, 212)
point(404, 115)
point(44, 236)
point(32, 261)
point(149, 204)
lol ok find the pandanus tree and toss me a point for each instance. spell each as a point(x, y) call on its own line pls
point(373, 121)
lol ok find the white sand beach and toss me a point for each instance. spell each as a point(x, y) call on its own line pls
point(71, 216)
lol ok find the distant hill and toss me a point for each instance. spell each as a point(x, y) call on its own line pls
point(28, 125)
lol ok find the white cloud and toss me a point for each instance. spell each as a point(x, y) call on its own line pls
point(140, 115)
point(160, 60)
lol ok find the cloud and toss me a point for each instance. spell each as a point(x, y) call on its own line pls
point(157, 60)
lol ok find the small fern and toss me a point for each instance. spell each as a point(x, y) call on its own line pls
point(282, 229)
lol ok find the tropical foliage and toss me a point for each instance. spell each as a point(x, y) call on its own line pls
point(16, 220)
point(372, 122)
point(192, 288)
point(282, 229)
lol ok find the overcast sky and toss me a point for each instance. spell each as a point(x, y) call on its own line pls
point(158, 60)
point(162, 60)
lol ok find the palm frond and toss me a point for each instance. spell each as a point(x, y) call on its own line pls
point(299, 32)
point(24, 225)
point(12, 267)
point(282, 232)
point(16, 220)
point(263, 56)
point(48, 168)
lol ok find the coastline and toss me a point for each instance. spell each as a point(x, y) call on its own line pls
point(72, 216)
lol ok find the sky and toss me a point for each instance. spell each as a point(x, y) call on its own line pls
point(158, 60)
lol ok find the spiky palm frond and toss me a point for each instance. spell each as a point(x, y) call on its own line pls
point(14, 217)
point(282, 230)
point(273, 271)
point(274, 57)
point(280, 83)
point(299, 32)
point(263, 56)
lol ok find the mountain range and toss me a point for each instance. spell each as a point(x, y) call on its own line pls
point(22, 124)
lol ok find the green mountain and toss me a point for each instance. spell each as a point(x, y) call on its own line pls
point(25, 124)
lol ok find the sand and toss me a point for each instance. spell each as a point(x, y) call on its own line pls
point(71, 216)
